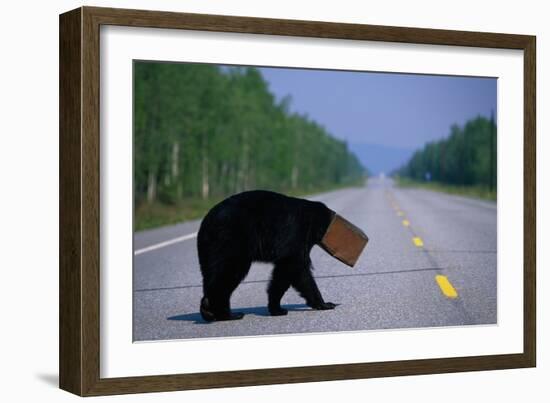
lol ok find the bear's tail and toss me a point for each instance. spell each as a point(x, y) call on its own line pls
point(206, 314)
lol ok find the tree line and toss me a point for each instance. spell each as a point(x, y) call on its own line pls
point(205, 131)
point(466, 157)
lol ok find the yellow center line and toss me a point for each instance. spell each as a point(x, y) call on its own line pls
point(406, 223)
point(418, 241)
point(446, 287)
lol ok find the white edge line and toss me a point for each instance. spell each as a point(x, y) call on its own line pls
point(176, 240)
point(165, 243)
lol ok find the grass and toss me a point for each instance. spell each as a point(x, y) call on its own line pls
point(157, 214)
point(478, 192)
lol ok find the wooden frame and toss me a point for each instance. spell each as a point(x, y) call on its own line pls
point(79, 201)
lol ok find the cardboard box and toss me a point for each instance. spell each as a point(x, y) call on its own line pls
point(344, 241)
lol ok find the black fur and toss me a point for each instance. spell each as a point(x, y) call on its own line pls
point(260, 226)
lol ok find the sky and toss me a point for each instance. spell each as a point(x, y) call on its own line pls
point(384, 115)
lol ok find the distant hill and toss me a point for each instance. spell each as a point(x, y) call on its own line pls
point(379, 158)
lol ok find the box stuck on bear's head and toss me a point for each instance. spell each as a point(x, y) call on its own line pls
point(343, 240)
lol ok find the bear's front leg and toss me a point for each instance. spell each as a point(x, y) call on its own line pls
point(279, 284)
point(305, 284)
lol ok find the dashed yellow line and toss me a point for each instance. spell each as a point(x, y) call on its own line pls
point(444, 284)
point(446, 287)
point(418, 241)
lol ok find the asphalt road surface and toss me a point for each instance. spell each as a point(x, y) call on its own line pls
point(431, 261)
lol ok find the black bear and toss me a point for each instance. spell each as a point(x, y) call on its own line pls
point(260, 226)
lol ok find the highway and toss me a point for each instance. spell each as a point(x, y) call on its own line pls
point(431, 261)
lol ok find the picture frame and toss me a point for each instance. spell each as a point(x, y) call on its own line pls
point(80, 153)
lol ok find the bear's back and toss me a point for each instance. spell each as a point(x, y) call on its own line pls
point(264, 223)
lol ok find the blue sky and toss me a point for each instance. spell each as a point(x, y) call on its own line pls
point(386, 110)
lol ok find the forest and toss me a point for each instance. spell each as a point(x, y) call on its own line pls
point(466, 157)
point(203, 132)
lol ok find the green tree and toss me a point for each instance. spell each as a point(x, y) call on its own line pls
point(204, 131)
point(467, 157)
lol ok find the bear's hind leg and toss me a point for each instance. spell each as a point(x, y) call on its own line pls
point(220, 309)
point(215, 305)
point(217, 310)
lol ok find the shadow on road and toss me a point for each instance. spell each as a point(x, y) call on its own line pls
point(256, 310)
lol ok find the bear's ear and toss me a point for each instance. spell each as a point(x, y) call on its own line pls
point(344, 241)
